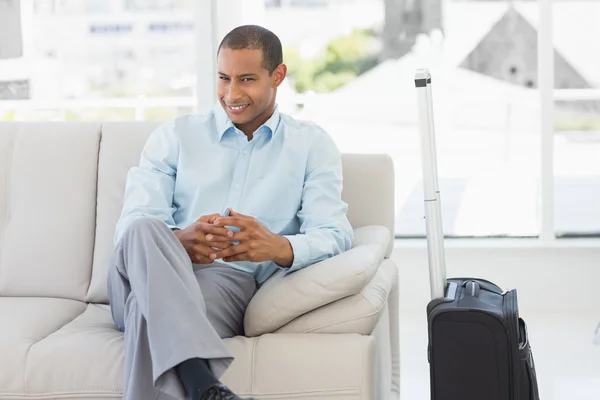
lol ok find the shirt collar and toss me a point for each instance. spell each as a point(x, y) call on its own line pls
point(223, 123)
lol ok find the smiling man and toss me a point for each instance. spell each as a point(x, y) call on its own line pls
point(219, 202)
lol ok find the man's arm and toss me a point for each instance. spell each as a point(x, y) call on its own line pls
point(150, 186)
point(325, 230)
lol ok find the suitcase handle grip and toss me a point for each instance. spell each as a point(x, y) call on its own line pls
point(487, 286)
point(472, 289)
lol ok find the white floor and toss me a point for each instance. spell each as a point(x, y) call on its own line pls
point(567, 361)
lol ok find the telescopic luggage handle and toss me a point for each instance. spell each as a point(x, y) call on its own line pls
point(433, 210)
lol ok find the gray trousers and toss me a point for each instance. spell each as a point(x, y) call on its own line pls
point(171, 310)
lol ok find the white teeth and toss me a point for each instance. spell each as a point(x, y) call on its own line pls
point(238, 108)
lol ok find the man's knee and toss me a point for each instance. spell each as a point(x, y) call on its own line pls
point(147, 226)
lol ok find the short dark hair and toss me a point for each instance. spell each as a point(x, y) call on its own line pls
point(255, 37)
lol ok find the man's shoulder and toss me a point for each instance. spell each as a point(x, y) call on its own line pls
point(187, 120)
point(303, 127)
point(183, 124)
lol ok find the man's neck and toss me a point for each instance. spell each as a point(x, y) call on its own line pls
point(250, 127)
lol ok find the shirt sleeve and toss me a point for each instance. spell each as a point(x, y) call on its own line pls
point(325, 230)
point(150, 186)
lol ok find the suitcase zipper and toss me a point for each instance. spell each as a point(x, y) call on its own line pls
point(508, 307)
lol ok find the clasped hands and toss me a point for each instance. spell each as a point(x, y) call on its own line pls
point(208, 239)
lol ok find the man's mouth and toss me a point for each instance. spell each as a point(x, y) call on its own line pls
point(237, 109)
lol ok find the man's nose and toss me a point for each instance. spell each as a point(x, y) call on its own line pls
point(234, 93)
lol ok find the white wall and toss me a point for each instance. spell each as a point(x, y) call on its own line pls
point(559, 278)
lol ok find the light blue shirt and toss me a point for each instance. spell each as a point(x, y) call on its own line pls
point(289, 177)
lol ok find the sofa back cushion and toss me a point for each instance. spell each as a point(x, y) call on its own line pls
point(368, 190)
point(120, 149)
point(47, 208)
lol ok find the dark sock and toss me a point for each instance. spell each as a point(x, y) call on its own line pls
point(196, 377)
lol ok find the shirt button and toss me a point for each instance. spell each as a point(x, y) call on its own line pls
point(237, 186)
point(245, 152)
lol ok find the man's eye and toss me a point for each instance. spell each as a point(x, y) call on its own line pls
point(247, 79)
point(223, 78)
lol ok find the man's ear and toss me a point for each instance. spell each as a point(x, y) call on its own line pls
point(279, 74)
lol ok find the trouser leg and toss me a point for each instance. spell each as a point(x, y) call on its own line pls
point(156, 299)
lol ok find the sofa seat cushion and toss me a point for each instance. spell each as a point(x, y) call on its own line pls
point(358, 313)
point(25, 323)
point(285, 297)
point(65, 349)
point(89, 350)
point(58, 348)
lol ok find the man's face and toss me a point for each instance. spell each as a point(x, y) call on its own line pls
point(245, 88)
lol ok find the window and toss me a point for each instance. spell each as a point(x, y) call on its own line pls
point(272, 3)
point(91, 60)
point(160, 4)
point(86, 6)
point(44, 6)
point(577, 119)
point(355, 75)
point(351, 65)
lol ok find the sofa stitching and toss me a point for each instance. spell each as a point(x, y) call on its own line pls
point(298, 392)
point(119, 392)
point(97, 395)
point(28, 394)
point(254, 342)
point(373, 263)
point(45, 337)
point(87, 291)
point(362, 374)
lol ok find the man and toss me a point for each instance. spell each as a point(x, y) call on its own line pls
point(219, 203)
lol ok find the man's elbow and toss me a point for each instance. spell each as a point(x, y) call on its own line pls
point(344, 239)
point(348, 238)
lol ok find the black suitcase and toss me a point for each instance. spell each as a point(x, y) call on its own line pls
point(478, 345)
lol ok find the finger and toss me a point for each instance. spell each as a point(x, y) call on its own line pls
point(215, 231)
point(238, 257)
point(208, 218)
point(196, 256)
point(218, 238)
point(201, 260)
point(220, 245)
point(239, 215)
point(230, 251)
point(233, 221)
point(201, 249)
point(241, 236)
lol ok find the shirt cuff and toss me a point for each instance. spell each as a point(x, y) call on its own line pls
point(301, 250)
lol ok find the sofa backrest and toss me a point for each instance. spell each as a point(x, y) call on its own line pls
point(61, 193)
point(120, 150)
point(47, 208)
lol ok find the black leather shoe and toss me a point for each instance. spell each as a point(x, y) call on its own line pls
point(221, 392)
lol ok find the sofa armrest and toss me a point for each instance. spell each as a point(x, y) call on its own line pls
point(283, 298)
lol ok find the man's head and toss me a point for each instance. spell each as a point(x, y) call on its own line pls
point(250, 67)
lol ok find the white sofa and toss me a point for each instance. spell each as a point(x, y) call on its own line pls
point(329, 331)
